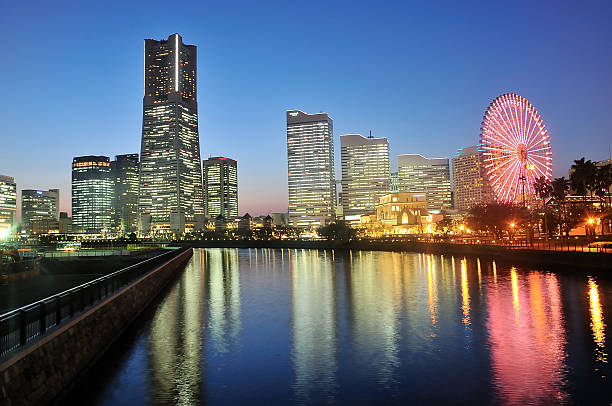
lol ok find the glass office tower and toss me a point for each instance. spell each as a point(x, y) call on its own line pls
point(39, 205)
point(310, 156)
point(170, 186)
point(8, 205)
point(92, 194)
point(221, 187)
point(125, 169)
point(365, 174)
point(470, 183)
point(418, 174)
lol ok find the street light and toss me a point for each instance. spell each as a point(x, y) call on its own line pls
point(512, 225)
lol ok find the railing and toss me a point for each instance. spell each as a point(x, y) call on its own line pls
point(20, 326)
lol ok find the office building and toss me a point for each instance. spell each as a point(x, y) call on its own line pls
point(365, 174)
point(311, 182)
point(221, 187)
point(125, 169)
point(470, 185)
point(92, 194)
point(170, 193)
point(38, 205)
point(393, 183)
point(417, 174)
point(8, 205)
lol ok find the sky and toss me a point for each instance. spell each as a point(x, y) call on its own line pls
point(419, 73)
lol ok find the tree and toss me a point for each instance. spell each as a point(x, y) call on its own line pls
point(583, 177)
point(559, 188)
point(543, 189)
point(444, 225)
point(495, 218)
point(338, 231)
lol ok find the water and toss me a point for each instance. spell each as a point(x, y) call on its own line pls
point(320, 327)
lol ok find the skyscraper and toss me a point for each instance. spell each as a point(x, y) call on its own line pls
point(310, 155)
point(124, 171)
point(8, 205)
point(170, 187)
point(365, 173)
point(471, 186)
point(417, 174)
point(221, 187)
point(39, 205)
point(92, 194)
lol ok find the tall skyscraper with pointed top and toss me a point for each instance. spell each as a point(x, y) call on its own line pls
point(170, 185)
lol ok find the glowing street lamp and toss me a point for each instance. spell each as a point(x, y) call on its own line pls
point(512, 225)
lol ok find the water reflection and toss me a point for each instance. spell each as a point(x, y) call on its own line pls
point(527, 340)
point(266, 326)
point(314, 327)
point(597, 324)
point(175, 350)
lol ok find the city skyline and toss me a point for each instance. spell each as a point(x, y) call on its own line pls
point(394, 96)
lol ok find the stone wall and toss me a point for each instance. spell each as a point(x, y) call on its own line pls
point(45, 371)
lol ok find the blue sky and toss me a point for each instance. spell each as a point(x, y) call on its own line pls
point(418, 73)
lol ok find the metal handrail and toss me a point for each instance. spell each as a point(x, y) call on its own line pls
point(21, 325)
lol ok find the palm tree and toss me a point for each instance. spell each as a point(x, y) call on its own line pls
point(583, 176)
point(560, 186)
point(543, 188)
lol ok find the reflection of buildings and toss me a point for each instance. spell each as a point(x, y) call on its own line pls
point(314, 327)
point(527, 338)
point(376, 299)
point(223, 286)
point(175, 347)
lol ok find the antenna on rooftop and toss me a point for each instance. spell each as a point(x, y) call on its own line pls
point(370, 134)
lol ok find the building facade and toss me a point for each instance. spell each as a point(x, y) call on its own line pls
point(221, 187)
point(310, 156)
point(8, 205)
point(125, 170)
point(170, 186)
point(417, 174)
point(92, 194)
point(38, 205)
point(365, 174)
point(470, 184)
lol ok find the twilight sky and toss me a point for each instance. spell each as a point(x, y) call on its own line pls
point(421, 75)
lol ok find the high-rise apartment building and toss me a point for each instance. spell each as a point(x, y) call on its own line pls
point(221, 187)
point(310, 155)
point(417, 174)
point(39, 205)
point(170, 191)
point(8, 205)
point(365, 173)
point(470, 184)
point(124, 170)
point(92, 194)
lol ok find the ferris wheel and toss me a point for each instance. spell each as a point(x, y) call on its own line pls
point(515, 147)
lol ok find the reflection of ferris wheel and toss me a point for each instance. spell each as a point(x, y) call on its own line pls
point(516, 148)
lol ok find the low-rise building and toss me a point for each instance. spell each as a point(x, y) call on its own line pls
point(397, 214)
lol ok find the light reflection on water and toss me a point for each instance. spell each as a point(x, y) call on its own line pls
point(263, 326)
